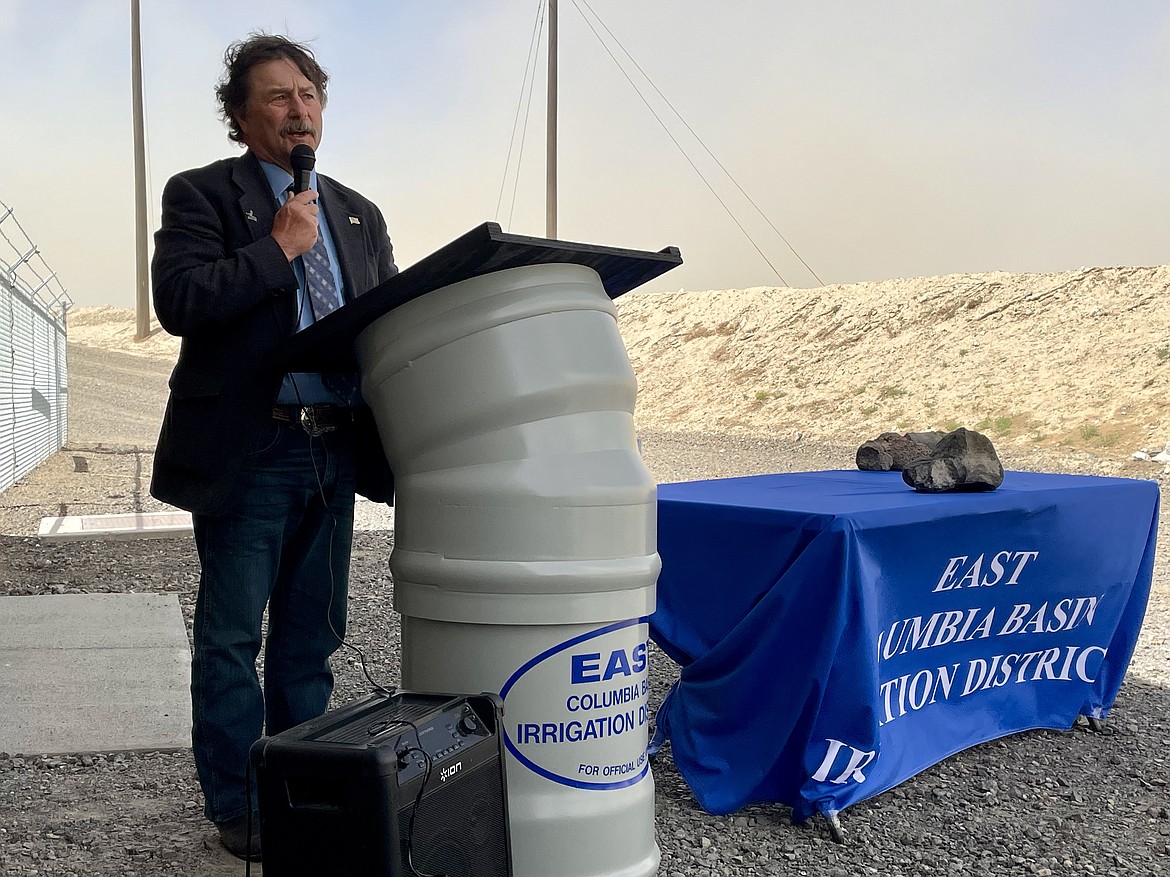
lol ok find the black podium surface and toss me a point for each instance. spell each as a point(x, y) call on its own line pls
point(328, 344)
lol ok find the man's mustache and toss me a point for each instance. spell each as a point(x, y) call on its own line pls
point(298, 128)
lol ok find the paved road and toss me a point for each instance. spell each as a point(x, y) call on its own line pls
point(115, 398)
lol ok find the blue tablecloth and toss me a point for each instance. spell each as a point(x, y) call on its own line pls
point(839, 632)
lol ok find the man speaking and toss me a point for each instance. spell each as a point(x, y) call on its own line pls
point(267, 463)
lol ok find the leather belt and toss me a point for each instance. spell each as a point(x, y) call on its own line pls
point(313, 419)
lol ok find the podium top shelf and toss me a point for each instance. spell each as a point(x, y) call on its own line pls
point(328, 344)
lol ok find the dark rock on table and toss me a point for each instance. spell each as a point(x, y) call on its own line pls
point(963, 460)
point(890, 451)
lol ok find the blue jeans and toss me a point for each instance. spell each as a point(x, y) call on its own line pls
point(285, 545)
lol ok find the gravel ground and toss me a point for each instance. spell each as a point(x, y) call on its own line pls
point(1043, 803)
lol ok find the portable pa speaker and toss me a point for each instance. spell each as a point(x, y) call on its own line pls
point(395, 785)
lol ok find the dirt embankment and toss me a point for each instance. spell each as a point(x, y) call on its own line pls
point(1077, 359)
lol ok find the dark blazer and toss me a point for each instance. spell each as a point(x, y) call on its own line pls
point(223, 284)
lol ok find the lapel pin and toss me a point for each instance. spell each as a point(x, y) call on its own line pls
point(355, 220)
point(250, 216)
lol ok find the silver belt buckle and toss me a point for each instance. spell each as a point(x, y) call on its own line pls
point(309, 423)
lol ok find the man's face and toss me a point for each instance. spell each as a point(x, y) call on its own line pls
point(283, 110)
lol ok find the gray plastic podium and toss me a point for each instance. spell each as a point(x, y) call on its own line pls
point(525, 553)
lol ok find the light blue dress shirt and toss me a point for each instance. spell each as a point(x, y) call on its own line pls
point(305, 388)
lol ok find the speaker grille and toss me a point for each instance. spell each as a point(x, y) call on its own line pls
point(459, 830)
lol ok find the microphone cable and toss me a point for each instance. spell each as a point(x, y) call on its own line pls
point(380, 689)
point(427, 765)
point(318, 477)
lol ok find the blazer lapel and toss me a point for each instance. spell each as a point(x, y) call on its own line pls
point(349, 237)
point(257, 206)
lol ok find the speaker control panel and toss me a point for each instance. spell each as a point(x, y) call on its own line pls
point(441, 739)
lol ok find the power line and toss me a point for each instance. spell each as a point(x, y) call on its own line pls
point(526, 84)
point(697, 139)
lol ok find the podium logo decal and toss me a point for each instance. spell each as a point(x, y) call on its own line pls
point(576, 714)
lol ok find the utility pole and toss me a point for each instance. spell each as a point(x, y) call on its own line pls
point(550, 222)
point(142, 297)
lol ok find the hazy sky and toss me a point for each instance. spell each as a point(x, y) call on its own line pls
point(884, 138)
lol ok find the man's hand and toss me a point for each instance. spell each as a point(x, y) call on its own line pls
point(295, 225)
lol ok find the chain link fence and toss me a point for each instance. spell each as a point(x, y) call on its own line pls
point(34, 373)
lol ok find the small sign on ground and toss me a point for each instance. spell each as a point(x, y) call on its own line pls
point(131, 525)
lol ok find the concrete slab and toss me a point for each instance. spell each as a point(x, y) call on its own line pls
point(93, 673)
point(168, 524)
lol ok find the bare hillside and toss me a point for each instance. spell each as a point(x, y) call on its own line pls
point(1080, 358)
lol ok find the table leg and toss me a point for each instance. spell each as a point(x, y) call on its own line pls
point(835, 827)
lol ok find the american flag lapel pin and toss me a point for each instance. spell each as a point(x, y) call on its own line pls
point(355, 220)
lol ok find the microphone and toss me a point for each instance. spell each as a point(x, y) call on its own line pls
point(302, 160)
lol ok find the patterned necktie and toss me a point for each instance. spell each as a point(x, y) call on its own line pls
point(323, 298)
point(319, 280)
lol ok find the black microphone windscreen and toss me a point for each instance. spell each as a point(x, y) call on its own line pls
point(302, 160)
